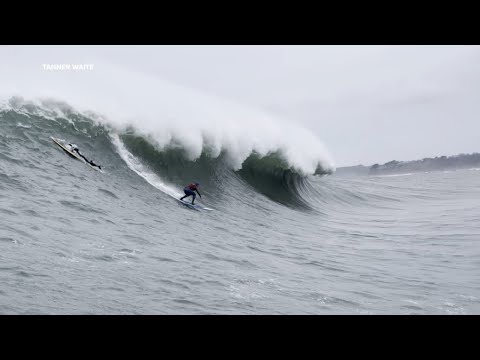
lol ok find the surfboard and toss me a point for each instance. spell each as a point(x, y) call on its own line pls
point(72, 154)
point(196, 206)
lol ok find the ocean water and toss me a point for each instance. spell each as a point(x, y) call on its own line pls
point(77, 241)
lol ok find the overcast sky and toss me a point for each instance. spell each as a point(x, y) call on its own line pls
point(368, 104)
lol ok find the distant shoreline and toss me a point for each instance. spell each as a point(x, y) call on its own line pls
point(456, 162)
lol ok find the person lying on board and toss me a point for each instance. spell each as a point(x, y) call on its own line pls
point(74, 148)
point(189, 191)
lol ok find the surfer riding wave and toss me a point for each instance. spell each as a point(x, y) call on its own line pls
point(189, 190)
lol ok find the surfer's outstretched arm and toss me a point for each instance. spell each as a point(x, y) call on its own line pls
point(198, 193)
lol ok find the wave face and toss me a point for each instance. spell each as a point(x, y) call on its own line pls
point(173, 133)
point(271, 172)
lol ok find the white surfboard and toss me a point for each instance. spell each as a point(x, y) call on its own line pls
point(189, 204)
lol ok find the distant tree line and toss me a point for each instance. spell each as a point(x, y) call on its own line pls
point(461, 161)
point(439, 163)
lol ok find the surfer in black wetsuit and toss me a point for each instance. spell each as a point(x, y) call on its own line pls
point(189, 191)
point(74, 147)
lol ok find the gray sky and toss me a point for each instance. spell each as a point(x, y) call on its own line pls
point(367, 104)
